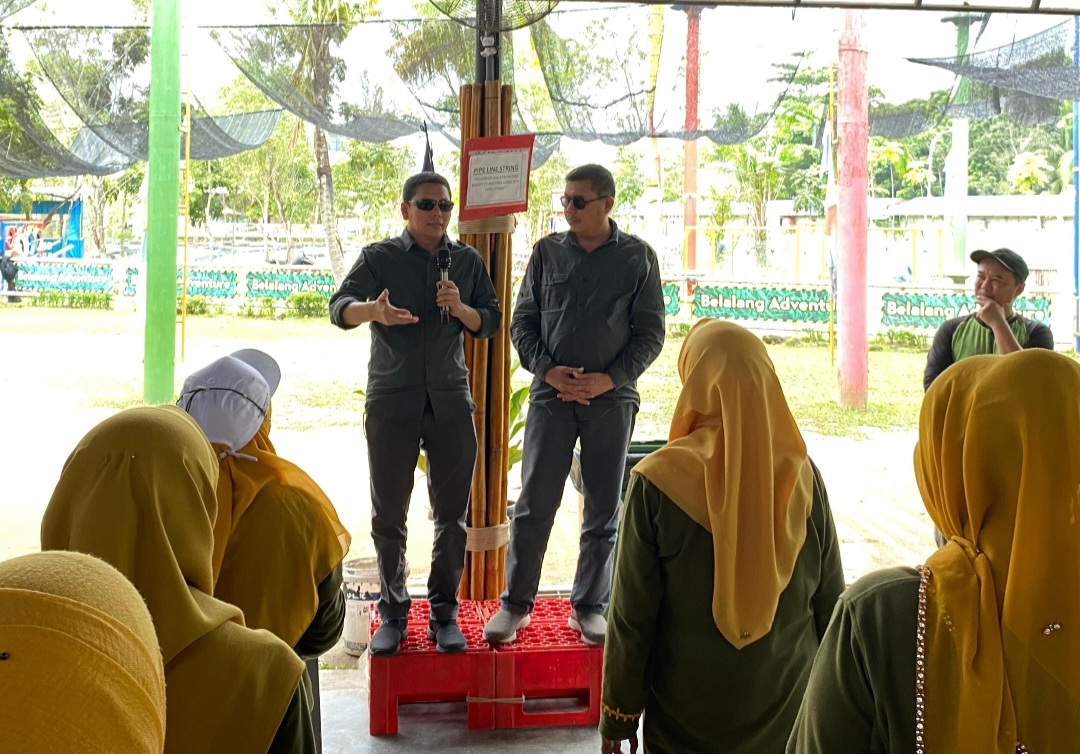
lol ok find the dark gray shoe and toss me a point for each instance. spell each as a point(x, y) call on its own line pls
point(591, 626)
point(447, 636)
point(388, 637)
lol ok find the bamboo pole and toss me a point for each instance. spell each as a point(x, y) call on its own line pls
point(471, 101)
point(499, 411)
point(478, 501)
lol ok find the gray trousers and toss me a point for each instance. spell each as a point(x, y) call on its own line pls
point(551, 431)
point(393, 447)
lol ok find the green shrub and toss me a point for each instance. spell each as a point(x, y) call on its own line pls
point(898, 340)
point(267, 308)
point(197, 306)
point(247, 311)
point(307, 306)
point(50, 299)
point(72, 300)
point(81, 300)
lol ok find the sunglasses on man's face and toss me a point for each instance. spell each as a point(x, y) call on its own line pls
point(579, 202)
point(427, 205)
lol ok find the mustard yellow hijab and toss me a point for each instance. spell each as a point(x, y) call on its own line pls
point(269, 559)
point(997, 467)
point(138, 492)
point(737, 465)
point(310, 540)
point(80, 669)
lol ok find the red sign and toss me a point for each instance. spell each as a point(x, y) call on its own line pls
point(495, 176)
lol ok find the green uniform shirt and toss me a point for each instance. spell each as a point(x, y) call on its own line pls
point(861, 695)
point(664, 654)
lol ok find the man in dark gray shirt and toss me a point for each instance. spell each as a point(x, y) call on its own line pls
point(418, 397)
point(589, 320)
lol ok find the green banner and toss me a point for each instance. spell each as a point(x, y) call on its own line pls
point(762, 303)
point(280, 284)
point(671, 299)
point(930, 310)
point(208, 283)
point(81, 277)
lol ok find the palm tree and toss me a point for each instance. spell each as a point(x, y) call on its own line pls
point(316, 75)
point(1029, 173)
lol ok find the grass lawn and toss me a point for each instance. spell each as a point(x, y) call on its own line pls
point(101, 357)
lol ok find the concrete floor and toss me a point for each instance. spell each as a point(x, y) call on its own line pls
point(435, 728)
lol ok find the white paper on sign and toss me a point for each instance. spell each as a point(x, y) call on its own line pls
point(498, 176)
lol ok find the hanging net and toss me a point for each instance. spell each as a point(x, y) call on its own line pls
point(902, 123)
point(434, 58)
point(586, 76)
point(621, 82)
point(282, 61)
point(103, 74)
point(29, 148)
point(11, 7)
point(1025, 79)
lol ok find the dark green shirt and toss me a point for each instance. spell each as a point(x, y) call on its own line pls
point(296, 735)
point(411, 364)
point(961, 337)
point(664, 654)
point(601, 310)
point(329, 621)
point(861, 694)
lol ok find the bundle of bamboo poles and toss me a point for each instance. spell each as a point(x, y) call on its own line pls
point(485, 111)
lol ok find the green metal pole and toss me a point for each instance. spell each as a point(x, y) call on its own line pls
point(159, 347)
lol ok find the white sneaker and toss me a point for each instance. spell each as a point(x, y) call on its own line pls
point(591, 626)
point(504, 625)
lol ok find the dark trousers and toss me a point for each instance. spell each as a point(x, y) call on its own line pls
point(393, 446)
point(10, 285)
point(551, 431)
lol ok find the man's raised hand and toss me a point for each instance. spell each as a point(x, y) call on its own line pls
point(387, 314)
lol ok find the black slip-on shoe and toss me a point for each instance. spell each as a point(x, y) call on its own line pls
point(388, 637)
point(447, 636)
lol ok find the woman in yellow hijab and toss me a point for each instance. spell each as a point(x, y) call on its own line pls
point(978, 650)
point(727, 565)
point(278, 542)
point(80, 668)
point(139, 492)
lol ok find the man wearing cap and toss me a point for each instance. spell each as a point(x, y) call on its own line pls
point(418, 397)
point(994, 327)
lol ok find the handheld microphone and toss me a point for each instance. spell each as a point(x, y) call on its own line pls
point(442, 261)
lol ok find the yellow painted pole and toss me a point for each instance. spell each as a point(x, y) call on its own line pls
point(939, 250)
point(798, 247)
point(824, 273)
point(914, 251)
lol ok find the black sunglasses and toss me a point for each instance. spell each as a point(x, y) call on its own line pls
point(426, 205)
point(578, 201)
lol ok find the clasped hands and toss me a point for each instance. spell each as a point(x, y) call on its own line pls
point(575, 385)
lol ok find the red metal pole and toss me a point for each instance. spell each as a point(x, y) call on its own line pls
point(690, 157)
point(853, 137)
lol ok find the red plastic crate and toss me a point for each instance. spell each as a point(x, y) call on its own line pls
point(418, 673)
point(548, 661)
point(469, 613)
point(545, 610)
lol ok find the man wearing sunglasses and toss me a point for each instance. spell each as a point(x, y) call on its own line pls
point(418, 397)
point(589, 320)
